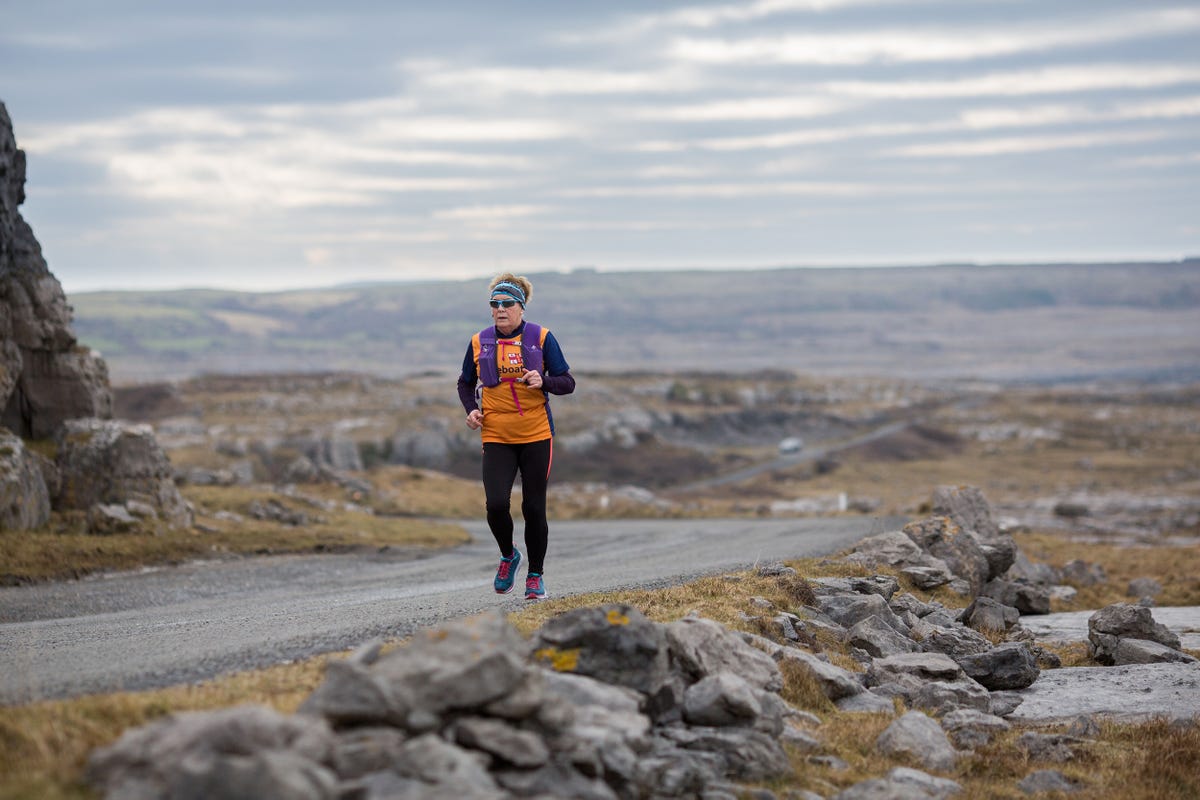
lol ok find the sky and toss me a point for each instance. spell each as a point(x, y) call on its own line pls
point(274, 145)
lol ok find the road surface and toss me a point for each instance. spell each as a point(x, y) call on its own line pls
point(175, 625)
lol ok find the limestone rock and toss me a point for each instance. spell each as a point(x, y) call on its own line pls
point(1026, 597)
point(614, 644)
point(969, 729)
point(968, 508)
point(917, 736)
point(111, 462)
point(944, 539)
point(24, 498)
point(45, 376)
point(1047, 780)
point(1124, 621)
point(834, 681)
point(1078, 572)
point(703, 648)
point(1007, 666)
point(987, 614)
point(246, 751)
point(1141, 651)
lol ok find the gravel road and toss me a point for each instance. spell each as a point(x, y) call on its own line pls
point(182, 624)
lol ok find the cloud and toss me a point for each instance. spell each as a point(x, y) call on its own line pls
point(738, 190)
point(1026, 144)
point(1046, 80)
point(548, 81)
point(932, 44)
point(750, 108)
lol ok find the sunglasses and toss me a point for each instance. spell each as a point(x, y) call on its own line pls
point(502, 303)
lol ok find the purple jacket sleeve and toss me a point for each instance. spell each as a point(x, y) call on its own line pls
point(556, 377)
point(467, 381)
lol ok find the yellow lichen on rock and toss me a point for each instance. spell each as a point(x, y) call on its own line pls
point(559, 660)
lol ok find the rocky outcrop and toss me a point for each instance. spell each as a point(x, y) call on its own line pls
point(46, 377)
point(24, 498)
point(51, 387)
point(1123, 634)
point(106, 463)
point(473, 710)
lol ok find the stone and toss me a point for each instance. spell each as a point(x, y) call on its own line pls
point(970, 510)
point(104, 518)
point(936, 787)
point(956, 641)
point(1047, 780)
point(1084, 726)
point(835, 682)
point(744, 754)
point(1119, 621)
point(867, 702)
point(1046, 746)
point(1027, 598)
point(111, 462)
point(720, 700)
point(1141, 651)
point(581, 690)
point(1144, 587)
point(970, 728)
point(1023, 570)
point(1126, 693)
point(942, 697)
point(916, 736)
point(361, 751)
point(24, 496)
point(351, 694)
point(1082, 574)
point(1007, 666)
point(967, 506)
point(988, 614)
point(879, 639)
point(501, 741)
point(849, 610)
point(800, 740)
point(432, 759)
point(944, 539)
point(465, 664)
point(702, 648)
point(615, 644)
point(248, 751)
point(882, 789)
point(927, 577)
point(930, 680)
point(46, 376)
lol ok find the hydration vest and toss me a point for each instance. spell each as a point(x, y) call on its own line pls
point(531, 352)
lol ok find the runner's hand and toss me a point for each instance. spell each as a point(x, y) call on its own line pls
point(475, 420)
point(532, 379)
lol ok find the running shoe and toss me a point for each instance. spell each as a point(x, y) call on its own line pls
point(506, 573)
point(535, 587)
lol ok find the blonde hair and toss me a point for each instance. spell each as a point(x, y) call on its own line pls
point(517, 280)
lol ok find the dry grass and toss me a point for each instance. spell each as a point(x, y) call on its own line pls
point(65, 550)
point(44, 746)
point(1176, 568)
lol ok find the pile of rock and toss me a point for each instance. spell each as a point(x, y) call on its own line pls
point(600, 704)
point(1123, 634)
point(53, 389)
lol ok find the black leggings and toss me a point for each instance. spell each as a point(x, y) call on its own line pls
point(501, 462)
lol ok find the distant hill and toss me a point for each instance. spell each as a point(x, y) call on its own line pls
point(1050, 321)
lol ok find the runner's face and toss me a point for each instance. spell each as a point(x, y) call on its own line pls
point(507, 319)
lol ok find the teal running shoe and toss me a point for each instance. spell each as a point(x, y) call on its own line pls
point(506, 573)
point(535, 587)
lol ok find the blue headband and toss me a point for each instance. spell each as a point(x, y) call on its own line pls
point(510, 289)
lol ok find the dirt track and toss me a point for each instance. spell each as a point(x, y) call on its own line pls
point(170, 626)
